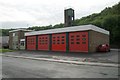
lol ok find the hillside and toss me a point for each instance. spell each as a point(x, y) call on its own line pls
point(99, 18)
point(109, 19)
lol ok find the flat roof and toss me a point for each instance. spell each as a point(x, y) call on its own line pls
point(19, 30)
point(69, 29)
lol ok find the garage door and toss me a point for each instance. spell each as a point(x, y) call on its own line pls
point(43, 42)
point(59, 42)
point(31, 43)
point(78, 42)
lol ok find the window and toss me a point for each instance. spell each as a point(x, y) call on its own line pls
point(16, 34)
point(72, 39)
point(62, 42)
point(72, 36)
point(58, 37)
point(72, 42)
point(42, 40)
point(83, 42)
point(77, 42)
point(22, 43)
point(62, 39)
point(13, 34)
point(39, 40)
point(62, 36)
point(84, 39)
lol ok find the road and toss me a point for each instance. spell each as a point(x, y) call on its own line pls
point(26, 68)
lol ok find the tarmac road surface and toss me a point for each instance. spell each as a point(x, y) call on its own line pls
point(26, 68)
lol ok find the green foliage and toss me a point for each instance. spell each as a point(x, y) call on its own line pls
point(5, 32)
point(6, 50)
point(58, 25)
point(37, 28)
point(112, 24)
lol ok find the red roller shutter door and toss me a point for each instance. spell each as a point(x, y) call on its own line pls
point(31, 43)
point(43, 42)
point(78, 42)
point(59, 42)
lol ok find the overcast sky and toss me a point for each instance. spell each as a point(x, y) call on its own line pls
point(26, 13)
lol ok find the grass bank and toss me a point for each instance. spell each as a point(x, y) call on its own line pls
point(5, 50)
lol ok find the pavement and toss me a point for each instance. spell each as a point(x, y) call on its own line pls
point(109, 59)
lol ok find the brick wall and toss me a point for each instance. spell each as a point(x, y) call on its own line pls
point(95, 39)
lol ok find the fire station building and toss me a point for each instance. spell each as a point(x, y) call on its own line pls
point(84, 38)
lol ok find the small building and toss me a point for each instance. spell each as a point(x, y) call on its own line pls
point(4, 42)
point(15, 36)
point(84, 38)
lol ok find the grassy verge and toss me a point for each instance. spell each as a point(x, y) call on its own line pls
point(5, 50)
